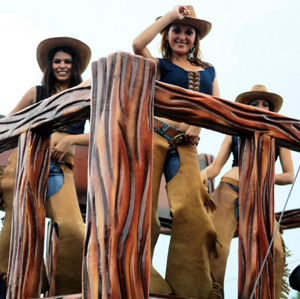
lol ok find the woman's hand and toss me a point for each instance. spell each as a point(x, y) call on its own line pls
point(204, 178)
point(181, 11)
point(192, 135)
point(61, 148)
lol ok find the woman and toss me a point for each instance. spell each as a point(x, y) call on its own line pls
point(193, 236)
point(62, 60)
point(226, 195)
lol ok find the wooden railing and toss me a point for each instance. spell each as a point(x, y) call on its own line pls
point(120, 102)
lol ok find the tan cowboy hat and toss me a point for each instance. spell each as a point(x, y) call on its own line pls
point(260, 92)
point(46, 46)
point(202, 26)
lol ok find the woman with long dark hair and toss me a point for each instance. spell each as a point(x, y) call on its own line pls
point(62, 60)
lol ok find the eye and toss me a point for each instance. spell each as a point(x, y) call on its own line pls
point(56, 61)
point(266, 104)
point(176, 30)
point(254, 103)
point(68, 61)
point(189, 32)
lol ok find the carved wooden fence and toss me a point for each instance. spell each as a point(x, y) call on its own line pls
point(120, 102)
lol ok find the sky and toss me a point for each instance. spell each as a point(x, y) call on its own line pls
point(251, 42)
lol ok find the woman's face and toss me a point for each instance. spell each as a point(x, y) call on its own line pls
point(181, 38)
point(62, 66)
point(262, 104)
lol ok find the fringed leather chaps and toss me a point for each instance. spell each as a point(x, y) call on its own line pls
point(64, 211)
point(7, 190)
point(193, 237)
point(226, 225)
point(157, 284)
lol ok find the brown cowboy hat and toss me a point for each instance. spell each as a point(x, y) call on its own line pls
point(202, 26)
point(260, 92)
point(46, 46)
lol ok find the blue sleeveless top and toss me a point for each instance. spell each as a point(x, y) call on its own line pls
point(200, 81)
point(77, 128)
point(235, 151)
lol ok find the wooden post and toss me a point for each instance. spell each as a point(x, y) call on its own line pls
point(256, 216)
point(28, 225)
point(117, 245)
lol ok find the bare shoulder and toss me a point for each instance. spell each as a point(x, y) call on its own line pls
point(28, 99)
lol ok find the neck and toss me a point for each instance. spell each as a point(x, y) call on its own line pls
point(179, 57)
point(61, 86)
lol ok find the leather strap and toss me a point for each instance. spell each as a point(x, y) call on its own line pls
point(170, 131)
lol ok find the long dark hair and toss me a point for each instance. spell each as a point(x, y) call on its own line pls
point(166, 50)
point(49, 81)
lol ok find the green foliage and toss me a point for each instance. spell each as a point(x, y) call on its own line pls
point(298, 296)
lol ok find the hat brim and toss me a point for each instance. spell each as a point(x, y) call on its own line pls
point(203, 27)
point(46, 46)
point(275, 99)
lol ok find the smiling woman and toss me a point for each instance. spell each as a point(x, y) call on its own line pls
point(62, 60)
point(193, 236)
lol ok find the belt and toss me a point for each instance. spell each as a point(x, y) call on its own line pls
point(68, 160)
point(178, 136)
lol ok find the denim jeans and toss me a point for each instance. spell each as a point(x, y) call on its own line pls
point(55, 179)
point(236, 203)
point(172, 161)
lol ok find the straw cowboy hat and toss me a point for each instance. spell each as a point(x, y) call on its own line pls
point(260, 92)
point(46, 46)
point(202, 26)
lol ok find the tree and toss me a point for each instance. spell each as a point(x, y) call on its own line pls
point(297, 297)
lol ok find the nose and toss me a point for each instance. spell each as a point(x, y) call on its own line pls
point(182, 35)
point(62, 64)
point(262, 106)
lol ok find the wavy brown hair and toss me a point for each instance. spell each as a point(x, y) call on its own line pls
point(166, 50)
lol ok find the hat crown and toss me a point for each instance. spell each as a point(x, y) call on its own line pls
point(192, 12)
point(203, 27)
point(259, 88)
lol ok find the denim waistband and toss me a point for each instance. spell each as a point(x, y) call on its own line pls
point(235, 188)
point(67, 160)
point(164, 127)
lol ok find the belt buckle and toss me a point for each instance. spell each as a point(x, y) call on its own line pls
point(179, 139)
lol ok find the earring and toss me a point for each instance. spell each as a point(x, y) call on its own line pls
point(167, 53)
point(191, 54)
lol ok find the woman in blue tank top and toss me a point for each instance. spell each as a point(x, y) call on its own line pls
point(62, 61)
point(225, 219)
point(193, 236)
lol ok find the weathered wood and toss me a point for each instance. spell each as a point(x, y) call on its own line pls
point(120, 178)
point(56, 112)
point(170, 101)
point(151, 296)
point(224, 116)
point(51, 257)
point(256, 216)
point(28, 225)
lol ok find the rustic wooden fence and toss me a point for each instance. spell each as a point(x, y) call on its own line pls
point(120, 102)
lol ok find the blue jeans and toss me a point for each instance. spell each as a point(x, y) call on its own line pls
point(236, 203)
point(55, 179)
point(172, 164)
point(172, 161)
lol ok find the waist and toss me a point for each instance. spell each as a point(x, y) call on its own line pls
point(166, 128)
point(174, 136)
point(68, 160)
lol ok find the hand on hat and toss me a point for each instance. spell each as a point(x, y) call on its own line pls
point(181, 11)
